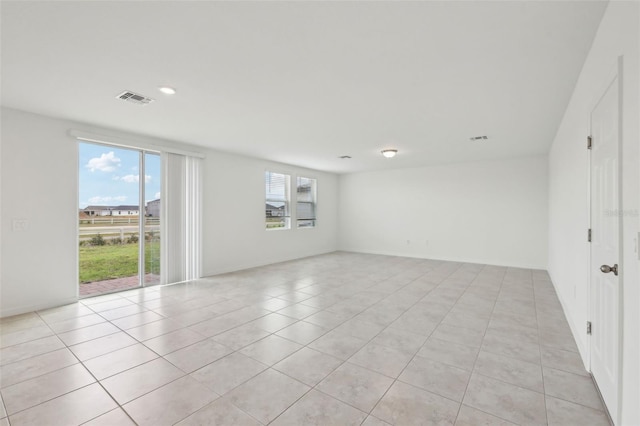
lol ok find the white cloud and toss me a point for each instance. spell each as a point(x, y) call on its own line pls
point(135, 178)
point(157, 195)
point(107, 200)
point(105, 163)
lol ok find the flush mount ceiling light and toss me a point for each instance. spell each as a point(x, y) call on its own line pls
point(389, 153)
point(167, 90)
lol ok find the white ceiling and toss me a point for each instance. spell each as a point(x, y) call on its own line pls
point(306, 82)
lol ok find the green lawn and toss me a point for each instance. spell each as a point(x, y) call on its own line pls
point(107, 262)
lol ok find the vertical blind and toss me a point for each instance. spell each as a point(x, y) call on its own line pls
point(181, 245)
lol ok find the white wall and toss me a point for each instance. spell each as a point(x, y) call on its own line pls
point(568, 199)
point(235, 236)
point(39, 169)
point(39, 175)
point(492, 212)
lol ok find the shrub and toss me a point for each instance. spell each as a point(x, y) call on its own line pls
point(98, 240)
point(132, 239)
point(116, 241)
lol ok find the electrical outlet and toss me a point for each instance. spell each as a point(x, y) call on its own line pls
point(20, 225)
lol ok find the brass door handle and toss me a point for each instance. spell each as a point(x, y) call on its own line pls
point(606, 269)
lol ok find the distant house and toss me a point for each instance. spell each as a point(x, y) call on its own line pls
point(97, 210)
point(274, 211)
point(112, 210)
point(126, 211)
point(153, 208)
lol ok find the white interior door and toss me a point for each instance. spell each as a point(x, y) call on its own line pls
point(605, 228)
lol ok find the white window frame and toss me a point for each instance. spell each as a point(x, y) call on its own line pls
point(287, 206)
point(314, 203)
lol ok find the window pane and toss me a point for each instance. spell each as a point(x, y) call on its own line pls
point(152, 219)
point(277, 200)
point(306, 211)
point(109, 192)
point(276, 186)
point(306, 202)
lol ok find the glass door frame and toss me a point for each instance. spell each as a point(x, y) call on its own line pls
point(142, 257)
point(142, 218)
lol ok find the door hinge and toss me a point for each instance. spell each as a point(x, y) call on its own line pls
point(589, 235)
point(588, 327)
point(589, 142)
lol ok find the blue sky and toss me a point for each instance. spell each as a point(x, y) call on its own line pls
point(109, 176)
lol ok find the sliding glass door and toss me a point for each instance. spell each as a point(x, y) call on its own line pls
point(153, 207)
point(119, 218)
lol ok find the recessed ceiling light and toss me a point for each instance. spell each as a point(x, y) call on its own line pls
point(389, 153)
point(167, 90)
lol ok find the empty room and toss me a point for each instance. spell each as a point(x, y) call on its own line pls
point(320, 213)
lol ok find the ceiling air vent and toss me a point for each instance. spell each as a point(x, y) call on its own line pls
point(345, 157)
point(134, 98)
point(478, 138)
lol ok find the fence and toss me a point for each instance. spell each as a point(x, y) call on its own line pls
point(111, 228)
point(115, 220)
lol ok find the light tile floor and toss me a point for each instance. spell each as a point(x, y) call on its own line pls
point(342, 339)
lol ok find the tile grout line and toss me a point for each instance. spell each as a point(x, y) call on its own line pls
point(483, 336)
point(544, 389)
point(121, 407)
point(502, 381)
point(325, 289)
point(96, 381)
point(311, 388)
point(347, 360)
point(396, 378)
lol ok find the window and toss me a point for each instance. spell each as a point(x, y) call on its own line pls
point(277, 201)
point(306, 202)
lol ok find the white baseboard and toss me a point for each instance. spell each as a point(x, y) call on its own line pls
point(37, 307)
point(448, 259)
point(264, 262)
point(575, 330)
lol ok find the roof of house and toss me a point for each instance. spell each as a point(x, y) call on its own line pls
point(111, 208)
point(272, 207)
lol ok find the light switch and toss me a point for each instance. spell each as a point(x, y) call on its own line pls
point(20, 225)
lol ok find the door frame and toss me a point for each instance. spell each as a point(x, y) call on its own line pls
point(614, 413)
point(142, 151)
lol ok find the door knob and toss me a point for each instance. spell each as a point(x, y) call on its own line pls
point(606, 269)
